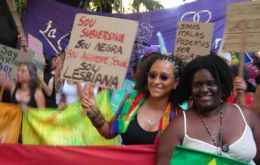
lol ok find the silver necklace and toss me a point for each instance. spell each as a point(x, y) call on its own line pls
point(150, 122)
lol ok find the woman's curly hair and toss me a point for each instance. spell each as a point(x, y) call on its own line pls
point(218, 69)
point(145, 66)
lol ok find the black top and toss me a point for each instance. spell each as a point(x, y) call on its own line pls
point(6, 97)
point(50, 100)
point(32, 102)
point(137, 135)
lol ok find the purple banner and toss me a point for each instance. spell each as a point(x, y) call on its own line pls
point(51, 21)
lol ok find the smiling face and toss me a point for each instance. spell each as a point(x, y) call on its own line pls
point(161, 79)
point(23, 74)
point(205, 92)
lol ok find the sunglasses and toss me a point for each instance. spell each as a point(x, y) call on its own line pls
point(154, 75)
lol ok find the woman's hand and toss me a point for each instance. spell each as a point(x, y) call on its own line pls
point(24, 107)
point(89, 105)
point(61, 106)
point(23, 42)
point(88, 101)
point(239, 86)
point(5, 81)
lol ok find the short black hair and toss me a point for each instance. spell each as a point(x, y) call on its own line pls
point(218, 69)
point(141, 84)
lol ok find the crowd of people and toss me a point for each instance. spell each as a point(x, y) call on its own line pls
point(153, 110)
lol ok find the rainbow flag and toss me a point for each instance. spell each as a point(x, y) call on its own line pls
point(235, 58)
point(10, 122)
point(67, 127)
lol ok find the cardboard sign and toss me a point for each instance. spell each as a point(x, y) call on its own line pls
point(242, 30)
point(37, 60)
point(193, 39)
point(36, 52)
point(99, 50)
point(35, 44)
point(10, 60)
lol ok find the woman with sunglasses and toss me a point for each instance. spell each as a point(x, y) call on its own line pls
point(147, 111)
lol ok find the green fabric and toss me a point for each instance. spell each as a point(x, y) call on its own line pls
point(185, 155)
point(67, 127)
point(126, 112)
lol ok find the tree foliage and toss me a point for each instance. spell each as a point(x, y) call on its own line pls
point(106, 6)
point(20, 5)
point(149, 5)
point(109, 5)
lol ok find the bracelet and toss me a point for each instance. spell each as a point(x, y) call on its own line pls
point(98, 123)
point(92, 115)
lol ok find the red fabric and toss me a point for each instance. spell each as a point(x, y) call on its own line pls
point(12, 154)
point(248, 99)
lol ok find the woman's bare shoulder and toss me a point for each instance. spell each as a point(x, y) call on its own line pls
point(251, 117)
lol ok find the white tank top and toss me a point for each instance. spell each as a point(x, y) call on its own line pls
point(244, 149)
point(71, 92)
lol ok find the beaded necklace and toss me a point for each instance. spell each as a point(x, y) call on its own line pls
point(219, 142)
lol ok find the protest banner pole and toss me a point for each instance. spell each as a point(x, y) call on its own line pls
point(241, 61)
point(16, 20)
point(242, 32)
point(241, 75)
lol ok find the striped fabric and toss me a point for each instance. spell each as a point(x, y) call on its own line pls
point(130, 108)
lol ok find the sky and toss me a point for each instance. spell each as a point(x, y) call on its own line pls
point(173, 3)
point(165, 3)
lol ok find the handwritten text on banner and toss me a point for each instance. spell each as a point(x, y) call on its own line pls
point(10, 60)
point(99, 50)
point(193, 39)
point(242, 31)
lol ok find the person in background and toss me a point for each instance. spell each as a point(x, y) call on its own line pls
point(257, 65)
point(253, 72)
point(57, 66)
point(5, 96)
point(25, 90)
point(241, 88)
point(70, 92)
point(147, 111)
point(48, 85)
point(210, 124)
point(256, 104)
point(53, 63)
